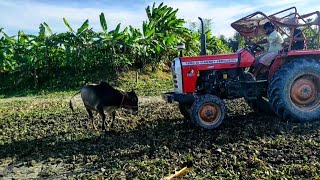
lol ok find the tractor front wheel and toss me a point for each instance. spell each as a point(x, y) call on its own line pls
point(208, 111)
point(294, 91)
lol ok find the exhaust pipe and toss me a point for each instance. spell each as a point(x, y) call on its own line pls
point(203, 39)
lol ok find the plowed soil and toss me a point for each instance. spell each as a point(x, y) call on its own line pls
point(42, 138)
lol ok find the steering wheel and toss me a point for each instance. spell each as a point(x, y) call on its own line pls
point(253, 47)
point(257, 47)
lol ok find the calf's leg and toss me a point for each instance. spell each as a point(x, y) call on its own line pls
point(91, 118)
point(103, 116)
point(113, 118)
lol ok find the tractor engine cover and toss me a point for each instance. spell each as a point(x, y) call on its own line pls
point(192, 66)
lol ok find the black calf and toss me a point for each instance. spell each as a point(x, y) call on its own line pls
point(102, 97)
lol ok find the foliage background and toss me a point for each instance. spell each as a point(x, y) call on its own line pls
point(68, 60)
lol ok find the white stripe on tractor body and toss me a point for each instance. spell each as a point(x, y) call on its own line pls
point(205, 62)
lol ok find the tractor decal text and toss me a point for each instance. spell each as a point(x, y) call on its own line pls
point(218, 61)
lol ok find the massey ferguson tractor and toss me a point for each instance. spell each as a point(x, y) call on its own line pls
point(290, 87)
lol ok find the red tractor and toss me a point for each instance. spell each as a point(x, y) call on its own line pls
point(290, 86)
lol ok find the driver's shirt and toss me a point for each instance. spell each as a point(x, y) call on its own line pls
point(275, 41)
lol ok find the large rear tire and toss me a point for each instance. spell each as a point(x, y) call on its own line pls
point(208, 111)
point(294, 91)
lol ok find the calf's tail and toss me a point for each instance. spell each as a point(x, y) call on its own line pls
point(70, 103)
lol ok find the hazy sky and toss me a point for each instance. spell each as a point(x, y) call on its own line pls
point(26, 15)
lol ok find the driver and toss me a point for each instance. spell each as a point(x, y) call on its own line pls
point(274, 40)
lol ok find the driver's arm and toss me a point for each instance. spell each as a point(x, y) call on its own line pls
point(263, 41)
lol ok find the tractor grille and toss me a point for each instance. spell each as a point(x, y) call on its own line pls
point(177, 75)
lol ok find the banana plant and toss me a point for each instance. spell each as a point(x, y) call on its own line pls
point(164, 28)
point(7, 63)
point(112, 42)
point(80, 30)
point(76, 43)
point(82, 49)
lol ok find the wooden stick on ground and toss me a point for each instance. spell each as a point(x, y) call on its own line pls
point(181, 172)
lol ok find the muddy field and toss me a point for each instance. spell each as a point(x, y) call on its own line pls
point(42, 138)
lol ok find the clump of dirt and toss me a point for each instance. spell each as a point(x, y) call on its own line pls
point(152, 144)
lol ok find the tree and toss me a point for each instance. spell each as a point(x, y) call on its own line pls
point(236, 42)
point(161, 32)
point(214, 45)
point(196, 26)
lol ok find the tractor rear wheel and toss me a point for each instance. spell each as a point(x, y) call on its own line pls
point(208, 111)
point(185, 110)
point(294, 91)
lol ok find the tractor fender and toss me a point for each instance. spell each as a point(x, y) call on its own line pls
point(287, 56)
point(278, 62)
